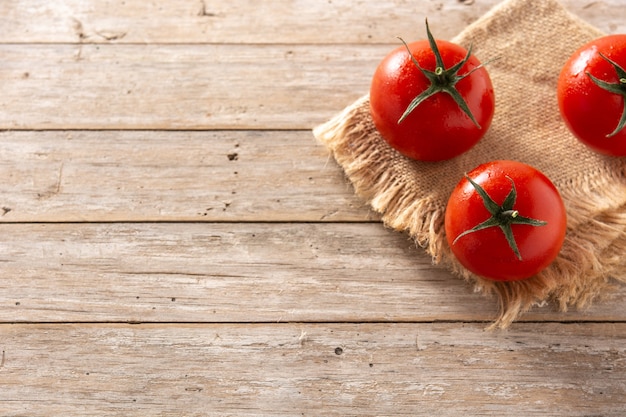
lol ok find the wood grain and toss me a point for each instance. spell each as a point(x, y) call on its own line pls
point(236, 272)
point(274, 21)
point(172, 176)
point(213, 21)
point(169, 87)
point(313, 369)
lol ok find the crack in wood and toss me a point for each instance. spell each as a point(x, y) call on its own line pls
point(55, 189)
point(111, 36)
point(203, 10)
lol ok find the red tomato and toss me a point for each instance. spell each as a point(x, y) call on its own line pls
point(509, 224)
point(594, 109)
point(454, 87)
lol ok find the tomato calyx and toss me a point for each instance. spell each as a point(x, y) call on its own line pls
point(615, 88)
point(442, 79)
point(502, 216)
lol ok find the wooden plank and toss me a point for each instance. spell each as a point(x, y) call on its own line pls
point(202, 21)
point(274, 21)
point(255, 272)
point(571, 370)
point(172, 176)
point(170, 87)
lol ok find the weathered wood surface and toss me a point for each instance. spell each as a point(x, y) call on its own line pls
point(574, 370)
point(251, 272)
point(172, 176)
point(251, 22)
point(175, 243)
point(170, 87)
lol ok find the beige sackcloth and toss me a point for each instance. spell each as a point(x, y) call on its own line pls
point(532, 39)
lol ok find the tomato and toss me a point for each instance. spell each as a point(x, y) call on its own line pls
point(591, 92)
point(505, 221)
point(450, 89)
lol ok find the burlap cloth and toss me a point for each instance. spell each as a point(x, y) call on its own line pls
point(532, 40)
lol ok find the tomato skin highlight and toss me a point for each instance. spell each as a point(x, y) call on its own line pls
point(437, 129)
point(486, 252)
point(589, 111)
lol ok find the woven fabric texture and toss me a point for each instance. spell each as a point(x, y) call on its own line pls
point(532, 40)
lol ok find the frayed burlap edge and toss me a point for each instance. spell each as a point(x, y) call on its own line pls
point(591, 254)
point(352, 139)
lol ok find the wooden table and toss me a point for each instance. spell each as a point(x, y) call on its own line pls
point(176, 243)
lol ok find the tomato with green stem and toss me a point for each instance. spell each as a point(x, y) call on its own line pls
point(591, 92)
point(431, 99)
point(505, 221)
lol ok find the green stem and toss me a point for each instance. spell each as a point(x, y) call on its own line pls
point(502, 216)
point(618, 88)
point(442, 79)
